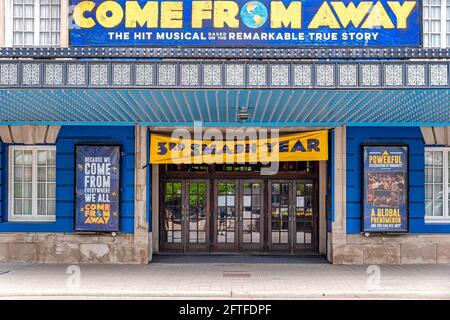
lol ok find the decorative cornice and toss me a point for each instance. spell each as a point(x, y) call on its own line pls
point(223, 74)
point(227, 53)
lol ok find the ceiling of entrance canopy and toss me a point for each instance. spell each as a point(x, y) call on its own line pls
point(220, 107)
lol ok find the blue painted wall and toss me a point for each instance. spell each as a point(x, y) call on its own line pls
point(411, 136)
point(65, 149)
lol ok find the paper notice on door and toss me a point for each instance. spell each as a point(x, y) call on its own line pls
point(221, 201)
point(247, 201)
point(230, 201)
point(300, 202)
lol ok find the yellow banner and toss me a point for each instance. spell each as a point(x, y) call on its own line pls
point(294, 147)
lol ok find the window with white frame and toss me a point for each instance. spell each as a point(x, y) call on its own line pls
point(437, 184)
point(436, 23)
point(33, 22)
point(32, 183)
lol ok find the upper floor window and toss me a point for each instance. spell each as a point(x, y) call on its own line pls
point(33, 22)
point(436, 23)
point(437, 184)
point(32, 183)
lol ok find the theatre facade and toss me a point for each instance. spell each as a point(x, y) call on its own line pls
point(135, 128)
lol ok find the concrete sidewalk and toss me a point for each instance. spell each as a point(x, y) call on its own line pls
point(199, 279)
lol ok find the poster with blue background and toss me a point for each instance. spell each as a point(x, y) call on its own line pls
point(385, 189)
point(97, 188)
point(287, 23)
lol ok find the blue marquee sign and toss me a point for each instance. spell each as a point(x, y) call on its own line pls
point(346, 23)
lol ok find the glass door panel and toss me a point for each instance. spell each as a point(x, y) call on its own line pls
point(304, 214)
point(226, 221)
point(252, 223)
point(197, 219)
point(172, 208)
point(184, 215)
point(279, 236)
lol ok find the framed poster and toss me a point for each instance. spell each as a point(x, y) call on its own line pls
point(385, 188)
point(97, 188)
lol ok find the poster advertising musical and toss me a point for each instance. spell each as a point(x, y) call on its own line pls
point(385, 204)
point(97, 188)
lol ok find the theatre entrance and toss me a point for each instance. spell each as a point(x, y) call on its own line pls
point(227, 208)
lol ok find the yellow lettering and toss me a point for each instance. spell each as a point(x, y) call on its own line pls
point(201, 10)
point(109, 14)
point(79, 11)
point(225, 12)
point(136, 15)
point(324, 18)
point(283, 17)
point(378, 17)
point(351, 14)
point(172, 14)
point(402, 12)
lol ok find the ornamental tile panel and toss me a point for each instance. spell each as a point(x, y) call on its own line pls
point(190, 75)
point(99, 74)
point(8, 74)
point(393, 75)
point(325, 75)
point(76, 74)
point(348, 75)
point(53, 74)
point(234, 75)
point(167, 74)
point(415, 74)
point(212, 75)
point(302, 75)
point(121, 74)
point(370, 75)
point(257, 75)
point(438, 74)
point(144, 74)
point(279, 75)
point(31, 73)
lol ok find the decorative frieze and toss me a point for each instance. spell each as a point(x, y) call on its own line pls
point(202, 74)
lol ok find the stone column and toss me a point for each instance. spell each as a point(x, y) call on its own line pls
point(340, 251)
point(141, 236)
